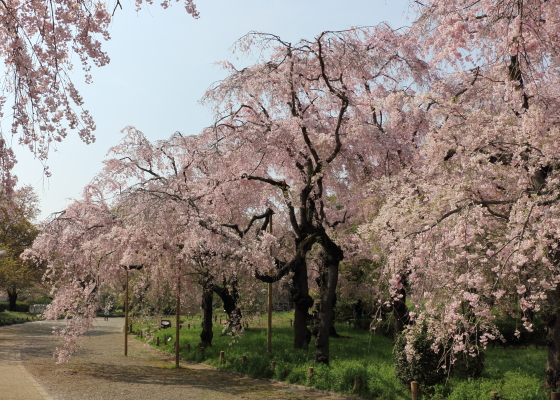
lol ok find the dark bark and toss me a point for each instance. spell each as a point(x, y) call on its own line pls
point(400, 309)
point(552, 317)
point(303, 302)
point(230, 297)
point(299, 289)
point(331, 257)
point(12, 299)
point(207, 296)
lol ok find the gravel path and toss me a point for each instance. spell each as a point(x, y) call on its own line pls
point(101, 372)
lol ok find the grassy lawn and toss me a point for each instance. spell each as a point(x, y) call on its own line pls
point(515, 373)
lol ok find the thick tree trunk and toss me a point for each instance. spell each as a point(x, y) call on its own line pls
point(206, 335)
point(400, 310)
point(12, 299)
point(552, 316)
point(327, 281)
point(230, 298)
point(303, 302)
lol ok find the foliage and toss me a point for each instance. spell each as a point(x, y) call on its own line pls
point(17, 232)
point(423, 364)
point(471, 222)
point(21, 307)
point(37, 43)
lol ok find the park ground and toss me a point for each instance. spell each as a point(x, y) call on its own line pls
point(101, 371)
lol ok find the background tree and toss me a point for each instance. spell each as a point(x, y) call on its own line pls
point(307, 124)
point(17, 233)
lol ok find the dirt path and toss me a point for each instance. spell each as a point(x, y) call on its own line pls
point(101, 372)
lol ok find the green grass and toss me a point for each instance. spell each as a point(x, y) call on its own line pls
point(517, 374)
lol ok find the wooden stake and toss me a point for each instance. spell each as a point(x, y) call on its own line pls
point(356, 383)
point(222, 357)
point(414, 390)
point(554, 396)
point(310, 372)
point(177, 314)
point(493, 395)
point(273, 365)
point(188, 347)
point(269, 321)
point(126, 315)
point(243, 359)
point(157, 341)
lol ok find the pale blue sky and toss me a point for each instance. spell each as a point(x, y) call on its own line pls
point(161, 65)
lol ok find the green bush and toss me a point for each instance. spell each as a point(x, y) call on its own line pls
point(20, 306)
point(424, 368)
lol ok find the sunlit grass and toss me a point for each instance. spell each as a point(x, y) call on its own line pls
point(517, 374)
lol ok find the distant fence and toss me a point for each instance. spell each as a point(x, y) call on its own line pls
point(37, 308)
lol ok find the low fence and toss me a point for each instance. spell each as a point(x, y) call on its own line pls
point(37, 308)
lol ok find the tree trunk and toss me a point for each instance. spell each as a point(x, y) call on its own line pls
point(230, 299)
point(303, 302)
point(207, 334)
point(400, 309)
point(328, 279)
point(552, 317)
point(12, 299)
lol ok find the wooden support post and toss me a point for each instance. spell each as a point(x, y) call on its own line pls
point(493, 395)
point(188, 347)
point(141, 333)
point(222, 357)
point(126, 315)
point(202, 350)
point(188, 326)
point(310, 372)
point(414, 390)
point(243, 359)
point(291, 322)
point(273, 365)
point(177, 320)
point(356, 383)
point(554, 396)
point(269, 320)
point(157, 341)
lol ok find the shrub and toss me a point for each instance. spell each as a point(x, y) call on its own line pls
point(20, 306)
point(427, 368)
point(424, 368)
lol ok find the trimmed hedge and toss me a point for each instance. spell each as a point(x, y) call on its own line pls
point(20, 306)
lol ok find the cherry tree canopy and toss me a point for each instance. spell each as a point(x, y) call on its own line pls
point(474, 222)
point(38, 40)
